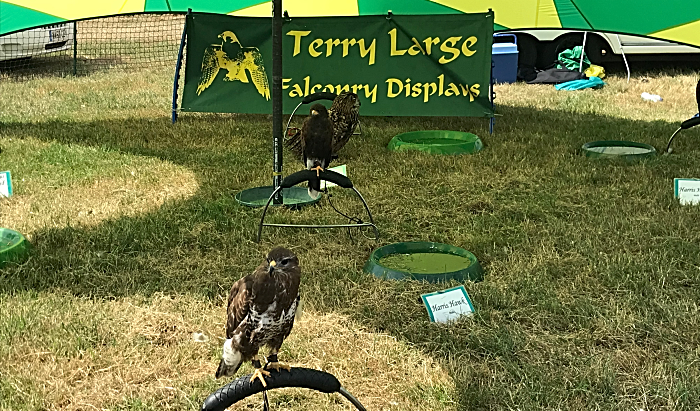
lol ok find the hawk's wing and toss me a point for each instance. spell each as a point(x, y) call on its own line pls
point(294, 144)
point(238, 305)
point(253, 62)
point(344, 123)
point(210, 68)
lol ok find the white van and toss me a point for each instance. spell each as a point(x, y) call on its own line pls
point(34, 42)
point(541, 47)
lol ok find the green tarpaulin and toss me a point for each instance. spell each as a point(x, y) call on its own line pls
point(675, 20)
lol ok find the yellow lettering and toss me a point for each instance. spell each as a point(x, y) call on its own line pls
point(408, 87)
point(372, 93)
point(390, 91)
point(346, 45)
point(446, 46)
point(452, 90)
point(329, 46)
point(316, 87)
point(339, 89)
point(467, 43)
point(312, 47)
point(356, 87)
point(428, 86)
point(297, 39)
point(284, 83)
point(416, 90)
point(371, 50)
point(296, 91)
point(415, 48)
point(441, 81)
point(474, 92)
point(307, 80)
point(394, 51)
point(465, 90)
point(329, 88)
point(429, 44)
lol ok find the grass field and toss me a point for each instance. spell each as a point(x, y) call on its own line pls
point(590, 299)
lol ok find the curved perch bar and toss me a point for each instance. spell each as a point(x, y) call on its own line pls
point(242, 387)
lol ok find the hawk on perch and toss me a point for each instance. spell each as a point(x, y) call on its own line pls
point(261, 310)
point(316, 144)
point(345, 116)
point(244, 59)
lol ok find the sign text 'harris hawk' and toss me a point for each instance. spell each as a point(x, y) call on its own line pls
point(432, 65)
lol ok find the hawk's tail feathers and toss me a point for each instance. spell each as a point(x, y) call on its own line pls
point(315, 187)
point(230, 360)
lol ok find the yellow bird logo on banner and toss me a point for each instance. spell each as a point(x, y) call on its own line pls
point(244, 58)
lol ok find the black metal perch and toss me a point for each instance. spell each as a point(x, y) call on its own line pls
point(691, 122)
point(327, 175)
point(242, 387)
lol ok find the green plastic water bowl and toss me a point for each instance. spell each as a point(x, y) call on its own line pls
point(13, 247)
point(292, 197)
point(437, 142)
point(618, 150)
point(424, 261)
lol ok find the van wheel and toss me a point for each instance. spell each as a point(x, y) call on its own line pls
point(552, 50)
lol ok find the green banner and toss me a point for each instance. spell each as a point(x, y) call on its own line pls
point(432, 65)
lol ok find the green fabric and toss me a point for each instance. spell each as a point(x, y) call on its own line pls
point(451, 87)
point(202, 6)
point(569, 15)
point(13, 18)
point(636, 17)
point(592, 82)
point(571, 59)
point(380, 7)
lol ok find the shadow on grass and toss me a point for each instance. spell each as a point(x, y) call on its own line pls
point(202, 244)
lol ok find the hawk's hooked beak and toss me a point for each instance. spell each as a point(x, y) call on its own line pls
point(273, 263)
point(314, 112)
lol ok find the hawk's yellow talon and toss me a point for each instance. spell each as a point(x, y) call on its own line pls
point(278, 365)
point(318, 169)
point(260, 374)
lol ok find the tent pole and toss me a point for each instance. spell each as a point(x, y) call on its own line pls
point(627, 66)
point(583, 51)
point(277, 97)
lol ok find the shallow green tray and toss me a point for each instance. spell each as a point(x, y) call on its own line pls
point(616, 150)
point(13, 247)
point(437, 142)
point(473, 272)
point(292, 197)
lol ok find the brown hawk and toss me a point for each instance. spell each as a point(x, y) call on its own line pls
point(316, 144)
point(345, 116)
point(261, 310)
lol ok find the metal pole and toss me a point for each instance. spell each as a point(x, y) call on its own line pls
point(178, 66)
point(277, 97)
point(75, 48)
point(583, 48)
point(627, 66)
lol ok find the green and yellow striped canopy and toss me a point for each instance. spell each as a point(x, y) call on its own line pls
point(674, 20)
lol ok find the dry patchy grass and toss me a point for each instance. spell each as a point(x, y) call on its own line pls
point(99, 354)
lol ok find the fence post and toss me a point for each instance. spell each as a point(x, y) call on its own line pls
point(75, 48)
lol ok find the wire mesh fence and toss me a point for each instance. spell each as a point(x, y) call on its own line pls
point(128, 42)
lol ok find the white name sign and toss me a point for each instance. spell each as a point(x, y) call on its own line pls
point(341, 169)
point(448, 305)
point(687, 190)
point(5, 184)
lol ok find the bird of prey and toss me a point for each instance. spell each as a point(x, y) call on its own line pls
point(345, 116)
point(261, 310)
point(236, 61)
point(317, 144)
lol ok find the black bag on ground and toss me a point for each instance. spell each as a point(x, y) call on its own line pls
point(556, 75)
